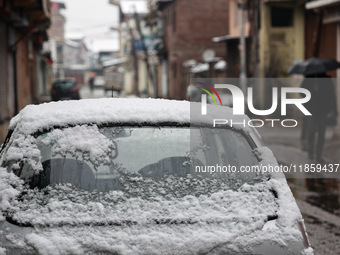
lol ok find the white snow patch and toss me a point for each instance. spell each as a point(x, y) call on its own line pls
point(93, 145)
point(23, 150)
point(105, 110)
point(2, 251)
point(200, 67)
point(10, 186)
point(227, 220)
point(35, 118)
point(288, 212)
point(221, 65)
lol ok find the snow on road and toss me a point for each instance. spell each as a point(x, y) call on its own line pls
point(323, 228)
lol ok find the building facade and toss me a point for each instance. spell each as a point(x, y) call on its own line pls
point(189, 27)
point(56, 35)
point(23, 26)
point(323, 35)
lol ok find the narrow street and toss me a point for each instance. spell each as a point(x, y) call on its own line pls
point(85, 93)
point(317, 198)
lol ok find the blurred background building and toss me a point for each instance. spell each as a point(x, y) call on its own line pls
point(23, 62)
point(157, 49)
point(152, 48)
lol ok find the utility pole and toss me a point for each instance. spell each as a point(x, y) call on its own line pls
point(133, 44)
point(256, 37)
point(135, 63)
point(150, 74)
point(243, 70)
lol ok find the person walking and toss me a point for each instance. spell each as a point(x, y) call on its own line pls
point(91, 83)
point(321, 105)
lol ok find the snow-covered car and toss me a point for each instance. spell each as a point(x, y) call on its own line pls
point(126, 176)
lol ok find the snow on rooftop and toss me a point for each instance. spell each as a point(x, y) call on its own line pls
point(220, 65)
point(132, 6)
point(200, 68)
point(75, 36)
point(103, 44)
point(72, 43)
point(105, 110)
point(113, 62)
point(115, 110)
point(190, 63)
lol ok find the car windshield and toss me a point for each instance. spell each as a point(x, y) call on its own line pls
point(116, 175)
point(63, 84)
point(114, 158)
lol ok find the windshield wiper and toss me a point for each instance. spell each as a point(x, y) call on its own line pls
point(13, 221)
point(164, 221)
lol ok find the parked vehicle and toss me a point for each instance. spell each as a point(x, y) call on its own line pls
point(126, 176)
point(64, 89)
point(114, 79)
point(99, 82)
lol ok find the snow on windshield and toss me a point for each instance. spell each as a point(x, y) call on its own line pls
point(84, 142)
point(22, 151)
point(66, 205)
point(228, 221)
point(138, 224)
point(10, 188)
point(90, 144)
point(218, 219)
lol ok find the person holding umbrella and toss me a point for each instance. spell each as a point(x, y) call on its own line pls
point(91, 80)
point(322, 103)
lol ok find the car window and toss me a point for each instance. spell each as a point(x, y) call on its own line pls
point(63, 84)
point(95, 175)
point(107, 158)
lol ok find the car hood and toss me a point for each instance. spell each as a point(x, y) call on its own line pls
point(254, 216)
point(223, 222)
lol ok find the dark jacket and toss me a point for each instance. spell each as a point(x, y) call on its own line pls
point(323, 100)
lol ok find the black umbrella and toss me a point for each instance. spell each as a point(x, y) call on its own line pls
point(314, 66)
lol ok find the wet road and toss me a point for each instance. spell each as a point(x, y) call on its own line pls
point(85, 92)
point(317, 198)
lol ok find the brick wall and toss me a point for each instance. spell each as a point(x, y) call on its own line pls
point(24, 75)
point(190, 26)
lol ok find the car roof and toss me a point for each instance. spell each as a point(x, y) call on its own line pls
point(34, 118)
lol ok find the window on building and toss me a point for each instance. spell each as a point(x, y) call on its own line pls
point(282, 17)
